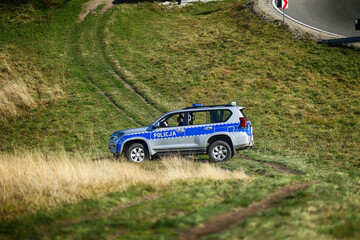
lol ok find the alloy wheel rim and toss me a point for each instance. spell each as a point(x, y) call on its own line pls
point(137, 155)
point(220, 152)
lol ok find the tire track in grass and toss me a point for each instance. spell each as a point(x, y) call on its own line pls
point(90, 7)
point(278, 167)
point(87, 53)
point(229, 220)
point(99, 42)
point(132, 89)
point(108, 98)
point(75, 53)
point(122, 74)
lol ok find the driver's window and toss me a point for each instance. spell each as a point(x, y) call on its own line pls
point(173, 120)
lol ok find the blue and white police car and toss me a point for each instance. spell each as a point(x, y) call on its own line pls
point(216, 130)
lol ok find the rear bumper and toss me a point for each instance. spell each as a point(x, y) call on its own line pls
point(245, 142)
point(251, 145)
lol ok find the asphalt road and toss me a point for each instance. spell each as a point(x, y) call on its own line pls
point(334, 16)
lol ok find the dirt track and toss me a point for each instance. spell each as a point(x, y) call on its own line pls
point(92, 5)
point(278, 167)
point(228, 220)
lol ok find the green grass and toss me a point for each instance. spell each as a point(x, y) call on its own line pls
point(302, 98)
point(182, 205)
point(328, 209)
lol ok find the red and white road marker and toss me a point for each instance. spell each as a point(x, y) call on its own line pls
point(284, 5)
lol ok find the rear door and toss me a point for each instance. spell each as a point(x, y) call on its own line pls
point(198, 129)
point(219, 118)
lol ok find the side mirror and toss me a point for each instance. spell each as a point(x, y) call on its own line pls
point(156, 125)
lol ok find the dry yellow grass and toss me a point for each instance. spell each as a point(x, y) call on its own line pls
point(14, 93)
point(22, 86)
point(30, 181)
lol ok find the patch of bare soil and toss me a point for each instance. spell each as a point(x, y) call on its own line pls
point(92, 5)
point(108, 212)
point(282, 168)
point(228, 220)
point(278, 167)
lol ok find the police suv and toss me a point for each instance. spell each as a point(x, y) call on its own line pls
point(216, 130)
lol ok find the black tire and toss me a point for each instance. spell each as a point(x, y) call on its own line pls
point(219, 151)
point(136, 153)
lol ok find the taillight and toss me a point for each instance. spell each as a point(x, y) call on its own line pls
point(243, 123)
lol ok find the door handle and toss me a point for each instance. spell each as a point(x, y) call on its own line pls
point(180, 130)
point(208, 128)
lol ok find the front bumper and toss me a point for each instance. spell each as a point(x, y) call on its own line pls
point(112, 145)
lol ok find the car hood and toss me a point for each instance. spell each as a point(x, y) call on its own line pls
point(132, 130)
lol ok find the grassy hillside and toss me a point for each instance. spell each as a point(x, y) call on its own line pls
point(41, 45)
point(67, 85)
point(301, 96)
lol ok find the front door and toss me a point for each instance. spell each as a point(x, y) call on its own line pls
point(170, 135)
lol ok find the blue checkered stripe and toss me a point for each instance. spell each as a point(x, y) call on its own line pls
point(189, 131)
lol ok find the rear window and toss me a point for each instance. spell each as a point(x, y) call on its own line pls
point(219, 116)
point(243, 113)
point(206, 117)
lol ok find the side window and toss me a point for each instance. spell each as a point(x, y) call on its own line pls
point(219, 116)
point(198, 118)
point(173, 120)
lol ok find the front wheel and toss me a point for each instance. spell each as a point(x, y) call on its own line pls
point(136, 153)
point(219, 151)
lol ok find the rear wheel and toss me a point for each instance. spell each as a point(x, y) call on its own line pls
point(219, 151)
point(136, 153)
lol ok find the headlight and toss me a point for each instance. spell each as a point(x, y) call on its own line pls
point(116, 135)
